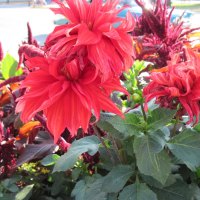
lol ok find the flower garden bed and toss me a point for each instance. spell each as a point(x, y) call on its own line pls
point(107, 109)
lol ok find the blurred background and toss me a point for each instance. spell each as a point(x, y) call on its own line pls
point(14, 15)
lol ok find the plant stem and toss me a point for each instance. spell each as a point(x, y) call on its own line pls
point(42, 120)
point(97, 132)
point(13, 79)
point(143, 112)
point(173, 133)
point(116, 149)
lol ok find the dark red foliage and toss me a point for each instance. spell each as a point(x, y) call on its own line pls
point(7, 158)
point(29, 51)
point(156, 37)
point(1, 52)
point(7, 152)
point(31, 39)
point(29, 48)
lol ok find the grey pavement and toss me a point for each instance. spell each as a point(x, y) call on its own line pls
point(13, 25)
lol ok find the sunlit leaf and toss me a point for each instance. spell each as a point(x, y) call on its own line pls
point(9, 67)
point(25, 193)
point(50, 160)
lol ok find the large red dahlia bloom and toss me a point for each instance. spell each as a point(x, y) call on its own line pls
point(177, 84)
point(67, 93)
point(96, 29)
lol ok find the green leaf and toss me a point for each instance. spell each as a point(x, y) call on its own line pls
point(150, 162)
point(157, 141)
point(139, 66)
point(186, 147)
point(50, 160)
point(177, 191)
point(197, 127)
point(112, 196)
point(76, 173)
point(154, 183)
point(105, 161)
point(88, 144)
point(159, 118)
point(8, 197)
point(89, 189)
point(25, 193)
point(137, 191)
point(9, 183)
point(195, 191)
point(59, 183)
point(117, 178)
point(121, 128)
point(9, 67)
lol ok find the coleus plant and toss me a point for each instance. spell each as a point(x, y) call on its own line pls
point(148, 148)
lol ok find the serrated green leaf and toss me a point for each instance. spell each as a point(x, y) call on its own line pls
point(9, 67)
point(25, 193)
point(159, 118)
point(117, 178)
point(186, 147)
point(89, 189)
point(154, 183)
point(88, 144)
point(137, 191)
point(149, 161)
point(121, 128)
point(177, 191)
point(50, 160)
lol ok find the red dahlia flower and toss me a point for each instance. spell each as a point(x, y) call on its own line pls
point(177, 83)
point(67, 92)
point(95, 29)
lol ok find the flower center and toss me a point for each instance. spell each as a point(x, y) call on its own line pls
point(90, 26)
point(71, 70)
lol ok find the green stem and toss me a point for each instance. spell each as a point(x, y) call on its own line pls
point(143, 112)
point(97, 133)
point(116, 149)
point(173, 133)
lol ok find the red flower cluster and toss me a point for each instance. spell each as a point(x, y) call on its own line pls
point(178, 83)
point(81, 66)
point(7, 158)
